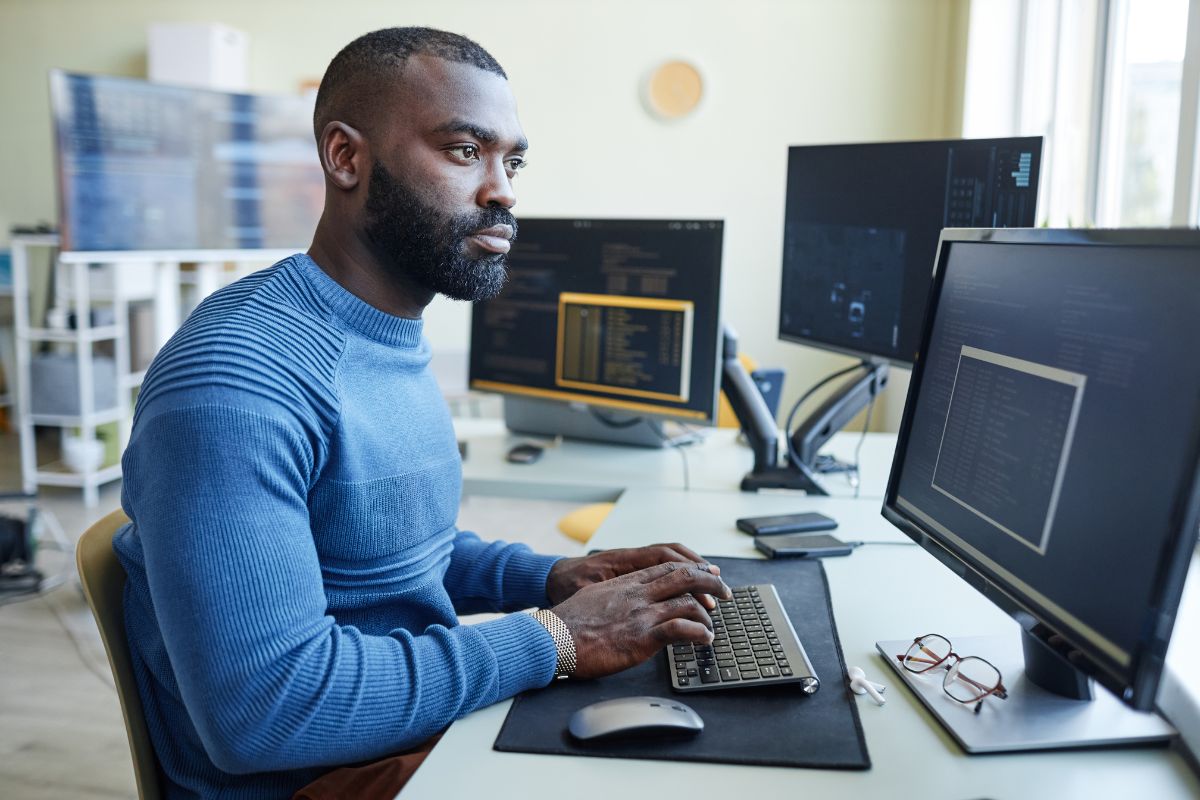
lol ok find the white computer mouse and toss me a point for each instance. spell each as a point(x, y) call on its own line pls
point(635, 717)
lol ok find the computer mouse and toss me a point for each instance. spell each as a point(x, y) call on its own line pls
point(525, 453)
point(635, 717)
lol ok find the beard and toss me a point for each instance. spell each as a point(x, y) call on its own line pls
point(418, 243)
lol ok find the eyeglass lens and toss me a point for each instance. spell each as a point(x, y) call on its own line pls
point(970, 679)
point(926, 653)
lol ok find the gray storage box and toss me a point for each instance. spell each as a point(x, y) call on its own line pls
point(54, 384)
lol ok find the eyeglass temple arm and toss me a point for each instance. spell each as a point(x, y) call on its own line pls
point(930, 653)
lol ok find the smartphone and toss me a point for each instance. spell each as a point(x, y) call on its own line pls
point(806, 522)
point(800, 545)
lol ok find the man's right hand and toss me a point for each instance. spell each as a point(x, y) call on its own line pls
point(621, 622)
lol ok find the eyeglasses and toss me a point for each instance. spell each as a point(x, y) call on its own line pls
point(967, 680)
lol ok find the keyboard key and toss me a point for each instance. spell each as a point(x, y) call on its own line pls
point(770, 671)
point(730, 674)
point(709, 675)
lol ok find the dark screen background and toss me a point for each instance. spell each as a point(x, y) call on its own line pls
point(513, 338)
point(861, 230)
point(1127, 319)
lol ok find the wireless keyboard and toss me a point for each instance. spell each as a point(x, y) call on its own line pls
point(754, 645)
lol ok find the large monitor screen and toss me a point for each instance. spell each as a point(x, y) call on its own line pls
point(621, 314)
point(1052, 432)
point(861, 231)
point(144, 166)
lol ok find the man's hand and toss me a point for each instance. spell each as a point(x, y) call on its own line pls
point(572, 574)
point(622, 621)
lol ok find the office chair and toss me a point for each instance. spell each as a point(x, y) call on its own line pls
point(103, 582)
point(583, 522)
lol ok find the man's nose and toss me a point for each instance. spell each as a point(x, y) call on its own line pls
point(497, 188)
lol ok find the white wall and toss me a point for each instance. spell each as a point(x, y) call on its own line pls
point(777, 72)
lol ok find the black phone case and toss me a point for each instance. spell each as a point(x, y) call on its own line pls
point(796, 550)
point(774, 525)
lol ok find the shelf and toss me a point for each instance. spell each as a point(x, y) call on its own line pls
point(57, 473)
point(177, 256)
point(97, 334)
point(76, 420)
point(133, 380)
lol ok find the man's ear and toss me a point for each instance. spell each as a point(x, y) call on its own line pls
point(345, 154)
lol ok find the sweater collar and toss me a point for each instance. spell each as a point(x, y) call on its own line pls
point(358, 314)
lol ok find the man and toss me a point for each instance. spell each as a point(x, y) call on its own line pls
point(295, 573)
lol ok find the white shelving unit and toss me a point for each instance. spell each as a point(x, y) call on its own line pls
point(119, 278)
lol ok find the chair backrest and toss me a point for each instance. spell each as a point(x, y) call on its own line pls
point(103, 581)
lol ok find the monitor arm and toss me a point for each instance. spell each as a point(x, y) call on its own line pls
point(843, 404)
point(760, 428)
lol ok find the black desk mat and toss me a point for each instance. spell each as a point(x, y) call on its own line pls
point(776, 726)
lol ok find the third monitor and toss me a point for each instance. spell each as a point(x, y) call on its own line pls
point(861, 229)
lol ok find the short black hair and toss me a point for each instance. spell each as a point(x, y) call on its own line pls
point(354, 77)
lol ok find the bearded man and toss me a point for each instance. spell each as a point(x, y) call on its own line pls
point(293, 481)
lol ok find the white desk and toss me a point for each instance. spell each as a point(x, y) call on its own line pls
point(590, 472)
point(883, 592)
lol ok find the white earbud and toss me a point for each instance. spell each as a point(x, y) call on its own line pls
point(860, 685)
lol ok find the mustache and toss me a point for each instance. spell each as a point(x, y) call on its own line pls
point(487, 218)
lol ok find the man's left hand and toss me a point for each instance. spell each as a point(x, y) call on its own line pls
point(571, 574)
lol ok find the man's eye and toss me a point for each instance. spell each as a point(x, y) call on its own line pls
point(516, 163)
point(469, 152)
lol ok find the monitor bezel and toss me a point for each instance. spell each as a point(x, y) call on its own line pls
point(636, 408)
point(864, 354)
point(1136, 684)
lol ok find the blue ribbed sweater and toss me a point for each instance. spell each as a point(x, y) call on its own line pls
point(294, 567)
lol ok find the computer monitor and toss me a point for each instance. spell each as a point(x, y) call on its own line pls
point(860, 233)
point(145, 166)
point(605, 328)
point(1050, 455)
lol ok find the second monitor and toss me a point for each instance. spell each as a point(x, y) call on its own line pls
point(861, 229)
point(605, 328)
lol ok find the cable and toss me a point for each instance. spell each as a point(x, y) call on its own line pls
point(678, 446)
point(793, 456)
point(612, 423)
point(629, 423)
point(857, 545)
point(857, 479)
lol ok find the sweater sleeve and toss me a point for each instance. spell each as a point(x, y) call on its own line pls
point(494, 576)
point(218, 499)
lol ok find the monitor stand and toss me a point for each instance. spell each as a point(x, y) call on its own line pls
point(539, 417)
point(762, 432)
point(1032, 718)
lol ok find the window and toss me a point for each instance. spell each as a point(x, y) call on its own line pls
point(1113, 85)
point(1140, 133)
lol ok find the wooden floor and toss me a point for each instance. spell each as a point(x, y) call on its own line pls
point(61, 734)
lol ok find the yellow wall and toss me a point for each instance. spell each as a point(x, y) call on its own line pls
point(778, 72)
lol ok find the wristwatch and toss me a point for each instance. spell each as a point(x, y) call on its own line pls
point(564, 643)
